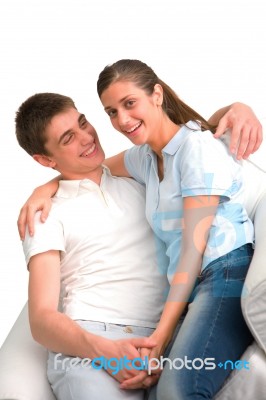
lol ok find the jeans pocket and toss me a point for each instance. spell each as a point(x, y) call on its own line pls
point(234, 275)
point(238, 271)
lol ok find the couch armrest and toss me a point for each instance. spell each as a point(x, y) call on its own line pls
point(23, 365)
point(254, 293)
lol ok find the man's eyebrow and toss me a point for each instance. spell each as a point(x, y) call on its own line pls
point(80, 118)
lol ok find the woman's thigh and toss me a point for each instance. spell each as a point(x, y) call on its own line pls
point(213, 335)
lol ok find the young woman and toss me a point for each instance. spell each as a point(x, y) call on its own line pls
point(194, 205)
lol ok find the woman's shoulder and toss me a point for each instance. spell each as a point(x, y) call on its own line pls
point(197, 138)
point(139, 151)
point(201, 146)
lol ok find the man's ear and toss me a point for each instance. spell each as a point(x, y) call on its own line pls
point(158, 94)
point(44, 160)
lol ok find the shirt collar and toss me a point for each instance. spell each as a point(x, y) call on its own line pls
point(72, 188)
point(176, 141)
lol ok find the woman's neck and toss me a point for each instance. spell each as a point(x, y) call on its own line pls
point(164, 134)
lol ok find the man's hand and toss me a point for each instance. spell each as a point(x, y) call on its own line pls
point(120, 350)
point(246, 130)
point(144, 379)
point(151, 376)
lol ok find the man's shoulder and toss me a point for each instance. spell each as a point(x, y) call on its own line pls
point(59, 204)
point(129, 183)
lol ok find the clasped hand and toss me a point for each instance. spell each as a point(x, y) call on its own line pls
point(132, 375)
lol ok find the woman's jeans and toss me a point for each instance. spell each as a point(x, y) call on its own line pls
point(213, 334)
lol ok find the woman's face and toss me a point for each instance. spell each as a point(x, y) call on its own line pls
point(132, 112)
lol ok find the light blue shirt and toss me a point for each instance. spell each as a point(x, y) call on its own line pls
point(194, 164)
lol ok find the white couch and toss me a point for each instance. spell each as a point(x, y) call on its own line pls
point(23, 361)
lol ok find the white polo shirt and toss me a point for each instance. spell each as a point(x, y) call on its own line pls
point(109, 269)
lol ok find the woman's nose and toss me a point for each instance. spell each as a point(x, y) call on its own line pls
point(123, 118)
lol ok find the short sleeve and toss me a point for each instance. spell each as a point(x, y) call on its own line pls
point(206, 167)
point(47, 236)
point(135, 162)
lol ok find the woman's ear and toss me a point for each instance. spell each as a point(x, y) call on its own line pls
point(44, 160)
point(158, 93)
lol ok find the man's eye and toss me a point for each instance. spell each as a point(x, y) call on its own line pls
point(68, 139)
point(84, 123)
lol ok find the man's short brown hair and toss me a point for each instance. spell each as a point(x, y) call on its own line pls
point(34, 115)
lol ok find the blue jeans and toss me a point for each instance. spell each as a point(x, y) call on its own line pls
point(213, 327)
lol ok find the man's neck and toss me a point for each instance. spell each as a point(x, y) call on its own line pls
point(95, 176)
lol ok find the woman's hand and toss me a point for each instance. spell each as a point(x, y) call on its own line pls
point(120, 350)
point(151, 357)
point(40, 200)
point(36, 202)
point(246, 129)
point(145, 378)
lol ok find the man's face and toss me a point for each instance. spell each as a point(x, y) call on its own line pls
point(74, 147)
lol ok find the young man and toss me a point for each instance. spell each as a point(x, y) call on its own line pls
point(97, 249)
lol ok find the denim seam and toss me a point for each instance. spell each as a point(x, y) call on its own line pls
point(211, 334)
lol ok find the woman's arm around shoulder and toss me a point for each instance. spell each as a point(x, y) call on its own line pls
point(116, 164)
point(39, 200)
point(246, 129)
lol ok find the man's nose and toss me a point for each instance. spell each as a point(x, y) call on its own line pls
point(85, 137)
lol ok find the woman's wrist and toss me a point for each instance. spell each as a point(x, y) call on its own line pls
point(162, 337)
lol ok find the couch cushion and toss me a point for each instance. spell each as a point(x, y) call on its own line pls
point(23, 365)
point(255, 185)
point(254, 292)
point(246, 383)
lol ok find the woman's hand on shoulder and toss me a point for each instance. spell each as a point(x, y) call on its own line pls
point(246, 130)
point(38, 201)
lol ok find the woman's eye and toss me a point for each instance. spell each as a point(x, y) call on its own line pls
point(130, 103)
point(111, 113)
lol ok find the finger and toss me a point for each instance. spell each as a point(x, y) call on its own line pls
point(243, 142)
point(45, 211)
point(21, 223)
point(151, 380)
point(144, 352)
point(145, 384)
point(235, 138)
point(221, 128)
point(134, 383)
point(143, 342)
point(154, 366)
point(250, 146)
point(30, 220)
point(259, 140)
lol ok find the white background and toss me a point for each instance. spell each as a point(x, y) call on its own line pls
point(212, 52)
